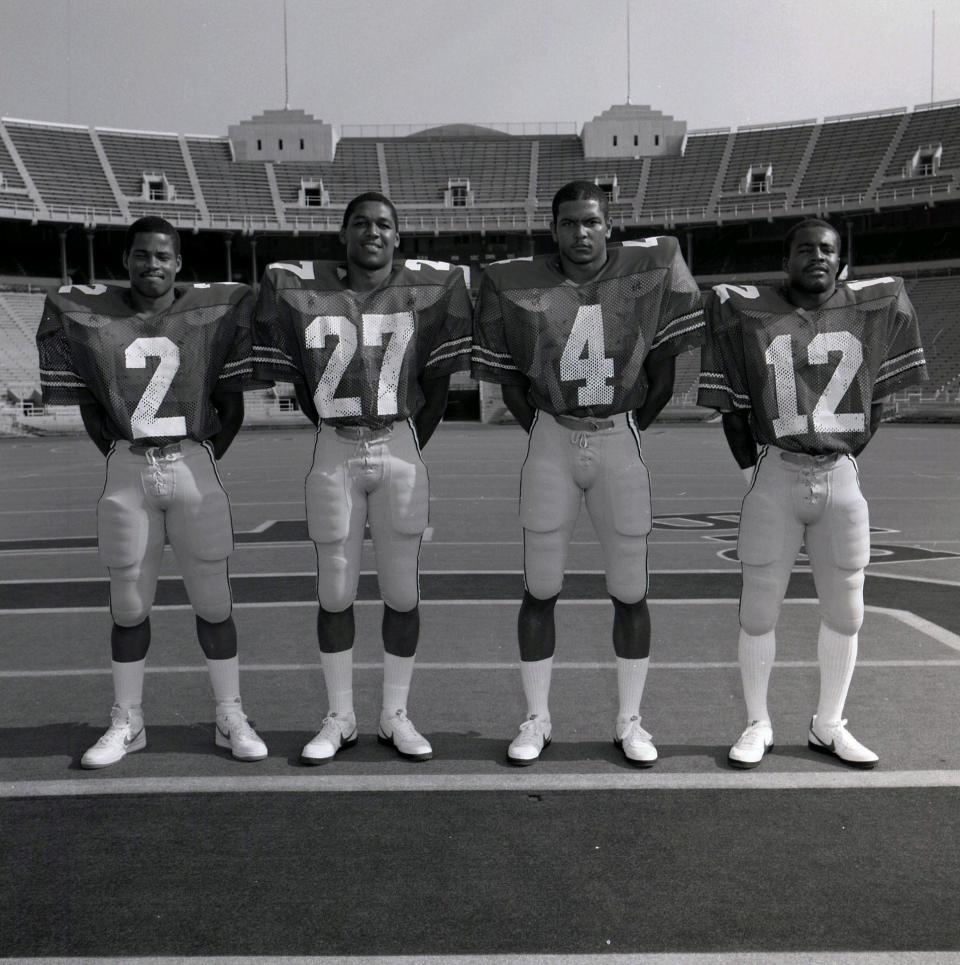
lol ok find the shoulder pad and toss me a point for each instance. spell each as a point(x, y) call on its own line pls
point(101, 299)
point(645, 253)
point(870, 289)
point(212, 293)
point(531, 271)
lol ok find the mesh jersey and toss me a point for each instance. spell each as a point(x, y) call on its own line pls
point(153, 376)
point(809, 377)
point(582, 347)
point(361, 354)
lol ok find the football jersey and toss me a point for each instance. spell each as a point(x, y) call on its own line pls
point(809, 376)
point(361, 354)
point(153, 376)
point(582, 346)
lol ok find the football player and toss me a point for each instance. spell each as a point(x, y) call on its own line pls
point(802, 371)
point(369, 345)
point(158, 371)
point(583, 343)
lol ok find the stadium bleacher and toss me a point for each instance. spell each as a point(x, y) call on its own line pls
point(857, 166)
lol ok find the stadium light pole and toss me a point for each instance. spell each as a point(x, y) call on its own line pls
point(286, 74)
point(933, 47)
point(628, 53)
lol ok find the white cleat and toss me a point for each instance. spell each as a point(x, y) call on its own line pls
point(398, 731)
point(336, 733)
point(838, 742)
point(635, 742)
point(125, 735)
point(535, 735)
point(751, 745)
point(233, 731)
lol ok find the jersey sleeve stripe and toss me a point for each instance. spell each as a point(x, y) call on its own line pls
point(917, 364)
point(903, 357)
point(494, 365)
point(443, 347)
point(459, 353)
point(479, 349)
point(61, 384)
point(668, 334)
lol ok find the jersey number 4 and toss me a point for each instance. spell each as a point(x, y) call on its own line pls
point(824, 418)
point(144, 421)
point(398, 327)
point(584, 358)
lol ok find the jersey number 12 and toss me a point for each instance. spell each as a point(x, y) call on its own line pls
point(824, 418)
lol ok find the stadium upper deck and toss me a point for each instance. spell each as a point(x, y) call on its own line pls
point(477, 179)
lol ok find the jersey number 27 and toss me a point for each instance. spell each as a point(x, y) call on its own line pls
point(398, 327)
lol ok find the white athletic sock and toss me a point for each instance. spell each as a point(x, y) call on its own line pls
point(631, 678)
point(338, 677)
point(397, 673)
point(128, 683)
point(225, 683)
point(837, 654)
point(535, 676)
point(756, 655)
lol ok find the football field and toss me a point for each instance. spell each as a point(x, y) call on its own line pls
point(180, 853)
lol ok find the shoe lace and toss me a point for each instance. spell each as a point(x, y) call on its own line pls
point(753, 734)
point(531, 730)
point(237, 725)
point(401, 725)
point(635, 732)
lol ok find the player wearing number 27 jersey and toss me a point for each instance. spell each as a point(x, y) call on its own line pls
point(158, 372)
point(801, 370)
point(370, 346)
point(584, 343)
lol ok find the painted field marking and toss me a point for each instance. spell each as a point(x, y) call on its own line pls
point(540, 780)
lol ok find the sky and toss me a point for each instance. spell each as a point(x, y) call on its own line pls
point(197, 66)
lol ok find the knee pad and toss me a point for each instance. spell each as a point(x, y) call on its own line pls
point(543, 559)
point(760, 601)
point(129, 603)
point(401, 598)
point(209, 589)
point(336, 584)
point(841, 607)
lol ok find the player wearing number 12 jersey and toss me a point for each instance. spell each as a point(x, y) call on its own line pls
point(584, 343)
point(158, 371)
point(802, 371)
point(370, 346)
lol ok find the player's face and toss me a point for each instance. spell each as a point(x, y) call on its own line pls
point(370, 235)
point(814, 261)
point(581, 231)
point(152, 264)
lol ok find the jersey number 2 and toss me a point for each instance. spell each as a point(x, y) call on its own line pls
point(789, 421)
point(144, 421)
point(398, 327)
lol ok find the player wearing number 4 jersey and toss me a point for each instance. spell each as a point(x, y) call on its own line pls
point(802, 370)
point(369, 346)
point(584, 344)
point(158, 371)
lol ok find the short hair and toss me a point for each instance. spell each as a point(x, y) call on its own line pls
point(581, 191)
point(370, 196)
point(807, 223)
point(151, 224)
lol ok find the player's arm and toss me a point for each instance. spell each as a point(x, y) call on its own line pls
point(736, 428)
point(660, 368)
point(229, 406)
point(435, 392)
point(876, 415)
point(92, 414)
point(515, 399)
point(305, 399)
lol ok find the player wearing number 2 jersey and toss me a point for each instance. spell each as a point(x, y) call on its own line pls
point(802, 371)
point(584, 344)
point(158, 371)
point(369, 346)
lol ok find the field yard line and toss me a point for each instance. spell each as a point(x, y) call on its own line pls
point(527, 781)
point(509, 665)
